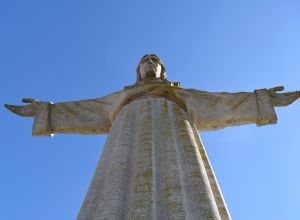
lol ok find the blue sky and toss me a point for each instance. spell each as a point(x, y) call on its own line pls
point(63, 50)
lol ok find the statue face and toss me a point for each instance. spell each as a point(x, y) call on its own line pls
point(150, 68)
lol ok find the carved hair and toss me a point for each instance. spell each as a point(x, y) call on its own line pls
point(163, 75)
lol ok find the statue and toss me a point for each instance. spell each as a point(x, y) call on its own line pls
point(154, 165)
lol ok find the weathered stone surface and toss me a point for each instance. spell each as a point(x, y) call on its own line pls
point(154, 165)
point(152, 168)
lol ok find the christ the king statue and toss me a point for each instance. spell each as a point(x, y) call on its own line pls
point(154, 165)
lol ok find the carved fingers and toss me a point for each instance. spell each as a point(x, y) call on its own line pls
point(283, 99)
point(292, 96)
point(24, 110)
point(29, 100)
point(276, 89)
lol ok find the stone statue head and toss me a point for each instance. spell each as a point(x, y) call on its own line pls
point(150, 68)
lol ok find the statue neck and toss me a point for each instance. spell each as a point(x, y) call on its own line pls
point(153, 81)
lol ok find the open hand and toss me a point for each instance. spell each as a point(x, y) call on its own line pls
point(283, 99)
point(24, 110)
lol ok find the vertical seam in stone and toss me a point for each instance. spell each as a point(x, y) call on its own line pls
point(154, 199)
point(159, 203)
point(179, 159)
point(142, 184)
point(132, 161)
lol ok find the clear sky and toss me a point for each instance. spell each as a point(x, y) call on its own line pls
point(62, 50)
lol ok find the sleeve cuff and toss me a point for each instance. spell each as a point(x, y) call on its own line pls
point(265, 109)
point(41, 124)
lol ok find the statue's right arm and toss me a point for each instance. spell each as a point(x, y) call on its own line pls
point(93, 116)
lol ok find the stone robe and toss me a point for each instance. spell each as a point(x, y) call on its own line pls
point(154, 165)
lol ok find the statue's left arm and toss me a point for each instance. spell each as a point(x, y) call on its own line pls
point(211, 111)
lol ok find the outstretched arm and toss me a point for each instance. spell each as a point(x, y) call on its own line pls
point(211, 111)
point(92, 116)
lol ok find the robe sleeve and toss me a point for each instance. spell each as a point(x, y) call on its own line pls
point(212, 111)
point(93, 116)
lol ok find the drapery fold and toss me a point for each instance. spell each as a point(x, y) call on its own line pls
point(154, 165)
point(152, 168)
